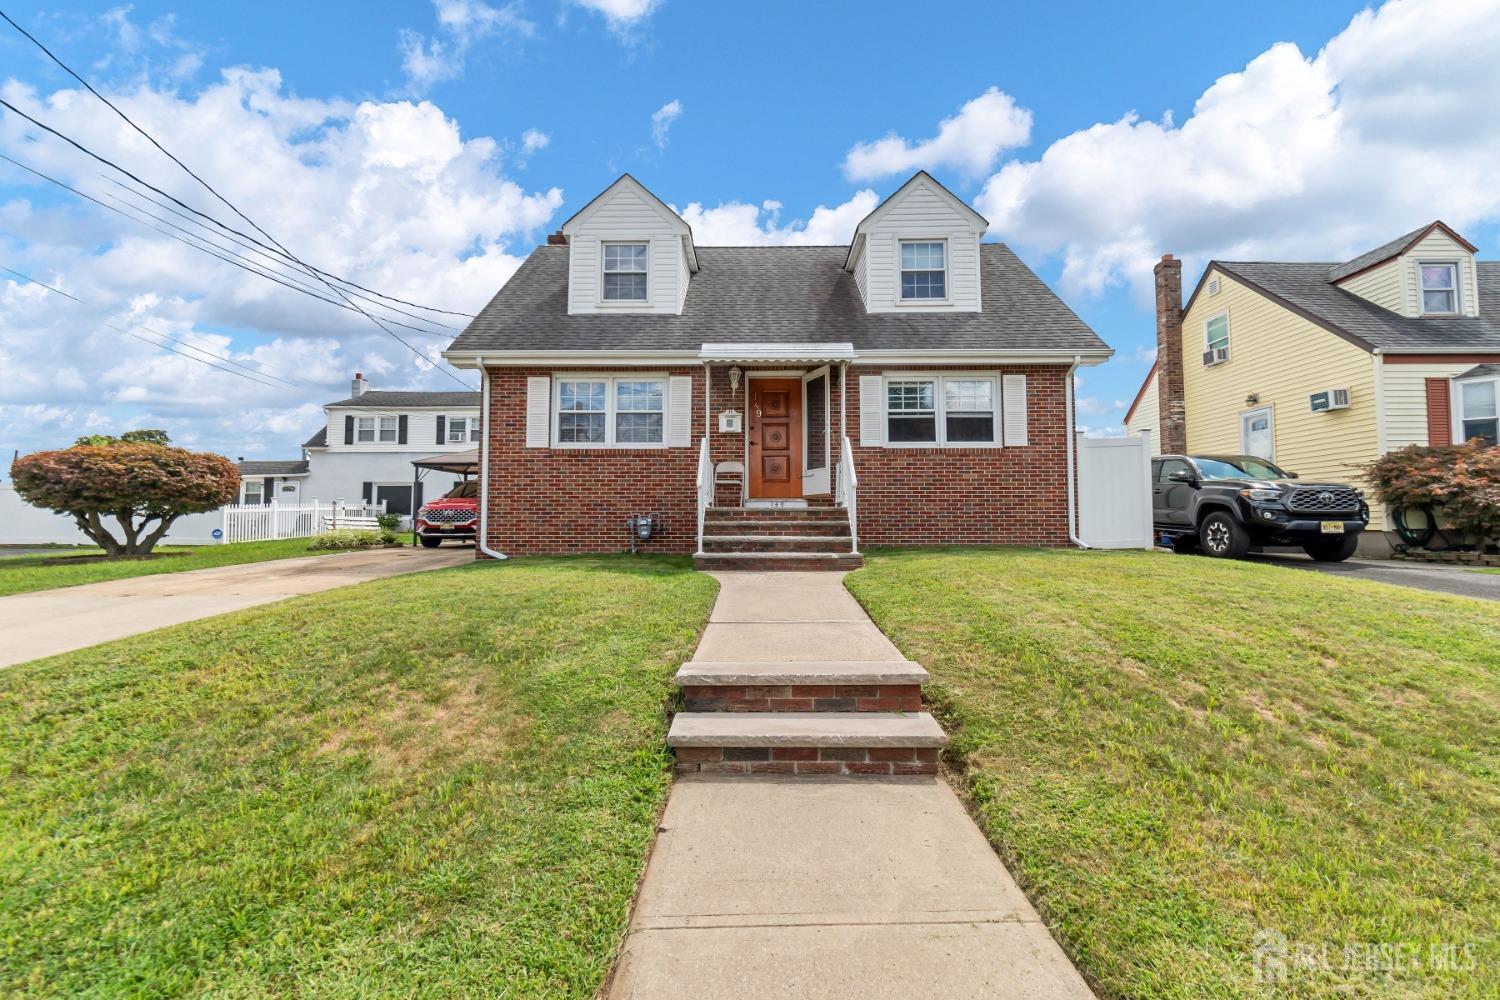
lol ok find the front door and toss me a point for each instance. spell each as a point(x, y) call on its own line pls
point(775, 427)
point(1255, 434)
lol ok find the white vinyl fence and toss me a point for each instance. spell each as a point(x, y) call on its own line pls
point(1114, 492)
point(266, 522)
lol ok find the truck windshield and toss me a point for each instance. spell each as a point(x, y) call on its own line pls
point(1236, 467)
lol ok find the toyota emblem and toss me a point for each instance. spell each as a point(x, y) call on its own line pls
point(1325, 498)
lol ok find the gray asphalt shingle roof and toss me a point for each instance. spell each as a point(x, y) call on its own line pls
point(402, 399)
point(272, 468)
point(1307, 289)
point(776, 295)
point(318, 440)
point(1480, 370)
point(1383, 252)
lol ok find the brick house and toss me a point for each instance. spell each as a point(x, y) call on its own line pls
point(774, 406)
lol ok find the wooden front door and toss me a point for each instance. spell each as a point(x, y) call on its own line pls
point(775, 427)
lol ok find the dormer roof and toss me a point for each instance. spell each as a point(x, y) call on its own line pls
point(627, 182)
point(1395, 248)
point(920, 178)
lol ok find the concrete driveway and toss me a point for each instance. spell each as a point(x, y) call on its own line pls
point(47, 622)
point(1424, 576)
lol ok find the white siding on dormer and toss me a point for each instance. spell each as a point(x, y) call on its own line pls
point(921, 213)
point(1438, 247)
point(861, 275)
point(625, 216)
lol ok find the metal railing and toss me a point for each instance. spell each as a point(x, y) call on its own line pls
point(847, 495)
point(705, 488)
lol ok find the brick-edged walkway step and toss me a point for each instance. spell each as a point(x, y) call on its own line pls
point(852, 743)
point(777, 561)
point(829, 686)
point(809, 672)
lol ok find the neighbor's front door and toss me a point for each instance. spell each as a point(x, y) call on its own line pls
point(775, 427)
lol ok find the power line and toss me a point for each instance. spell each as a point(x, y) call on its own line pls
point(109, 163)
point(142, 326)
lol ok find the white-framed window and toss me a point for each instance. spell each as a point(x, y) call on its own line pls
point(959, 410)
point(1478, 415)
point(1439, 287)
point(627, 411)
point(370, 430)
point(253, 492)
point(364, 430)
point(924, 270)
point(1216, 332)
point(462, 430)
point(625, 272)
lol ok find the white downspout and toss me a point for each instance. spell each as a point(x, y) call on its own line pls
point(1072, 443)
point(482, 537)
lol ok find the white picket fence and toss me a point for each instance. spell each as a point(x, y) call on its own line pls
point(267, 522)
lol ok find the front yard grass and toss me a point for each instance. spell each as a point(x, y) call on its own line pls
point(1175, 754)
point(434, 785)
point(71, 567)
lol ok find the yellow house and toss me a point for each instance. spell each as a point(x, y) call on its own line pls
point(1323, 367)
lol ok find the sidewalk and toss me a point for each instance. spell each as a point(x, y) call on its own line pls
point(825, 887)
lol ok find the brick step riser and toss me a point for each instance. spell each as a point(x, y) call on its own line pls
point(771, 543)
point(727, 562)
point(803, 698)
point(773, 513)
point(836, 529)
point(871, 761)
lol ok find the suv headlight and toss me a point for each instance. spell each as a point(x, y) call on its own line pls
point(1261, 495)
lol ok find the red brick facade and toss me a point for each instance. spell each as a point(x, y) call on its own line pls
point(554, 501)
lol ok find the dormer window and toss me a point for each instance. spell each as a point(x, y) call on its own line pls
point(625, 272)
point(924, 270)
point(1439, 288)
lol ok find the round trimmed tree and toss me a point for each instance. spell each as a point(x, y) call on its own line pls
point(141, 487)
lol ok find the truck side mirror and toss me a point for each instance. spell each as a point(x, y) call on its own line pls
point(1291, 475)
point(1181, 476)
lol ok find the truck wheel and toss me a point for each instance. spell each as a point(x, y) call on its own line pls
point(1184, 544)
point(1332, 549)
point(430, 543)
point(1222, 537)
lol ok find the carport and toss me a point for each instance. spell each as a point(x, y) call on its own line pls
point(459, 463)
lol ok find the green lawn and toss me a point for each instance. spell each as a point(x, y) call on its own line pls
point(1174, 753)
point(71, 567)
point(441, 785)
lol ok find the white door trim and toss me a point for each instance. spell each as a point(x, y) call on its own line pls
point(1269, 412)
point(817, 481)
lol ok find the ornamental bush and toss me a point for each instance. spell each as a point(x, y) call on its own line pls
point(1462, 479)
point(348, 538)
point(142, 486)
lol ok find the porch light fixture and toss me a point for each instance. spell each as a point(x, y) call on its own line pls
point(1252, 399)
point(734, 379)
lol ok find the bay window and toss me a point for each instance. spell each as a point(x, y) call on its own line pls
point(958, 410)
point(628, 411)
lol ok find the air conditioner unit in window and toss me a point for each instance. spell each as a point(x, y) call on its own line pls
point(1215, 356)
point(1328, 399)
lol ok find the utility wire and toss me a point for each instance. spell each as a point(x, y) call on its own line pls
point(109, 163)
point(281, 278)
point(149, 138)
point(142, 326)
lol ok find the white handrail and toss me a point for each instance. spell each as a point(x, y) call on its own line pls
point(705, 487)
point(848, 490)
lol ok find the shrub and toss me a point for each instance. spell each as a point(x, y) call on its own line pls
point(388, 522)
point(347, 538)
point(1462, 479)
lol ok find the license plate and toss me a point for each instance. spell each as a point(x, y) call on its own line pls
point(1333, 527)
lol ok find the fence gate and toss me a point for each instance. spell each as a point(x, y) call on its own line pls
point(1114, 492)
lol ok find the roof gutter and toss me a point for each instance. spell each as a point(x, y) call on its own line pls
point(482, 535)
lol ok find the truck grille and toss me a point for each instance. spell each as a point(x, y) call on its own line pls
point(447, 515)
point(1323, 500)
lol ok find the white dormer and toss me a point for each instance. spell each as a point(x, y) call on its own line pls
point(629, 253)
point(1426, 273)
point(918, 251)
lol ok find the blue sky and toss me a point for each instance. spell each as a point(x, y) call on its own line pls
point(423, 148)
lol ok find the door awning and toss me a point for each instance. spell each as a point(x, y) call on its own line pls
point(756, 354)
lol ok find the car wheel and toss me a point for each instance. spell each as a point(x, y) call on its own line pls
point(1184, 544)
point(431, 543)
point(1332, 550)
point(1222, 537)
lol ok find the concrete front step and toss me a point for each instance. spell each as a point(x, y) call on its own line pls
point(776, 513)
point(867, 743)
point(802, 698)
point(777, 561)
point(730, 672)
point(761, 526)
point(775, 543)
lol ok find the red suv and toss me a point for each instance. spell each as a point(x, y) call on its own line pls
point(455, 515)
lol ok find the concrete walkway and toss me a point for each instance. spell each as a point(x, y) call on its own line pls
point(825, 887)
point(47, 622)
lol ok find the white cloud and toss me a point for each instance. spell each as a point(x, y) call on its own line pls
point(1295, 158)
point(461, 23)
point(533, 140)
point(662, 119)
point(740, 224)
point(388, 194)
point(968, 142)
point(622, 16)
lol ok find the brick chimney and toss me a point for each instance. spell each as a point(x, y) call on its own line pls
point(1173, 418)
point(557, 239)
point(359, 385)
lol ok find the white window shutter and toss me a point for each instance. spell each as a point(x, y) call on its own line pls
point(871, 412)
point(680, 411)
point(1014, 405)
point(538, 411)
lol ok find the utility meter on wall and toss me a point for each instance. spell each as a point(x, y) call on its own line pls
point(729, 422)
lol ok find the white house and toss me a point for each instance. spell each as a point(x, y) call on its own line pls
point(365, 449)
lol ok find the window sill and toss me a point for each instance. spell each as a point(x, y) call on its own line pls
point(567, 446)
point(932, 446)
